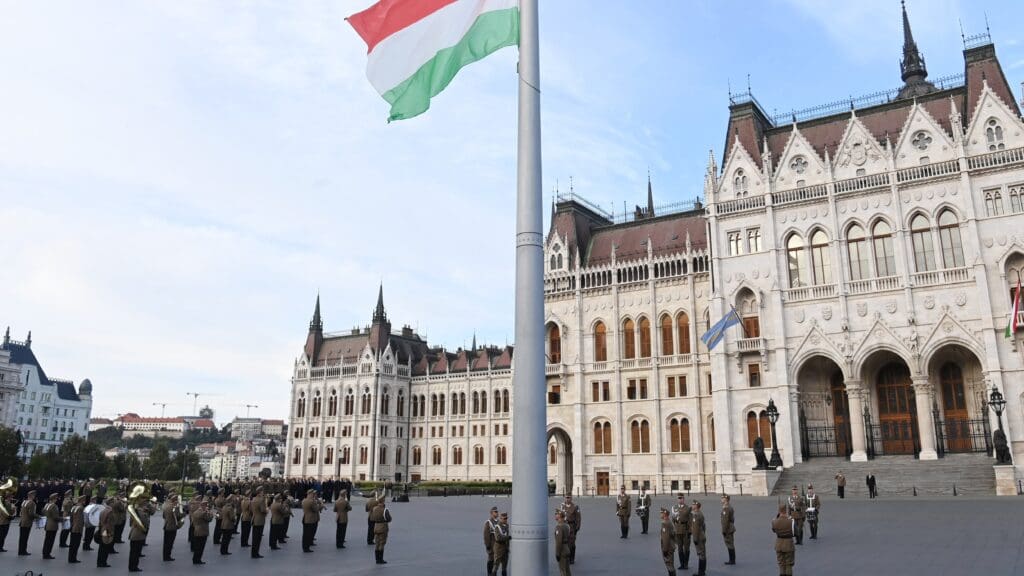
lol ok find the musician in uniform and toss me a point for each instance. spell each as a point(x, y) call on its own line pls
point(813, 511)
point(106, 533)
point(200, 516)
point(502, 538)
point(492, 519)
point(370, 504)
point(218, 503)
point(698, 531)
point(259, 521)
point(643, 509)
point(668, 542)
point(172, 523)
point(841, 485)
point(562, 542)
point(65, 512)
point(797, 511)
point(276, 521)
point(246, 517)
point(574, 519)
point(622, 506)
point(381, 518)
point(785, 552)
point(52, 513)
point(228, 515)
point(728, 528)
point(341, 509)
point(77, 516)
point(6, 513)
point(27, 518)
point(311, 507)
point(90, 526)
point(120, 516)
point(288, 503)
point(137, 535)
point(681, 519)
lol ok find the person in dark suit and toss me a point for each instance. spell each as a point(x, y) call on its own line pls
point(872, 486)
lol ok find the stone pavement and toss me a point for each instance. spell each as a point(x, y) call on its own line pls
point(442, 537)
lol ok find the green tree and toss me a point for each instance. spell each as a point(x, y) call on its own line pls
point(140, 441)
point(80, 458)
point(155, 467)
point(10, 442)
point(106, 438)
point(206, 412)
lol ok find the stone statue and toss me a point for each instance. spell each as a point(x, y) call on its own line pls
point(1002, 449)
point(762, 461)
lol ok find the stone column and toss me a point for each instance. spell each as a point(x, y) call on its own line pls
point(854, 398)
point(925, 423)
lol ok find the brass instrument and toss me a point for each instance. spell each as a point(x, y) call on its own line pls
point(10, 486)
point(139, 492)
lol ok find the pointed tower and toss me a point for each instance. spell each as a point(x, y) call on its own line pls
point(650, 197)
point(380, 329)
point(7, 336)
point(914, 72)
point(315, 338)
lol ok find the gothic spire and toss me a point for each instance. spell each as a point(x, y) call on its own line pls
point(378, 313)
point(7, 336)
point(650, 197)
point(912, 65)
point(316, 323)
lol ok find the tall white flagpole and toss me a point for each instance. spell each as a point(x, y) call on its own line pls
point(529, 521)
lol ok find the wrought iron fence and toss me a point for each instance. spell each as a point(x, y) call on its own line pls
point(953, 435)
point(891, 437)
point(824, 440)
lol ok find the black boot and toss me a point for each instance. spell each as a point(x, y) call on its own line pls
point(382, 560)
point(490, 567)
point(622, 532)
point(732, 557)
point(701, 566)
point(686, 560)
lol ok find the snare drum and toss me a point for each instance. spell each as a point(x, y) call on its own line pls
point(65, 524)
point(40, 523)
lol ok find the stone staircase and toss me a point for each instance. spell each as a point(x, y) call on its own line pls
point(971, 474)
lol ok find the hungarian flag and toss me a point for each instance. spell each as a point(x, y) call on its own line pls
point(1014, 324)
point(416, 47)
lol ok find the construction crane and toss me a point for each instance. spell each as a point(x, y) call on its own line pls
point(163, 407)
point(248, 406)
point(195, 401)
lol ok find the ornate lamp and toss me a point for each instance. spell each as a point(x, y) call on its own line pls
point(998, 403)
point(773, 416)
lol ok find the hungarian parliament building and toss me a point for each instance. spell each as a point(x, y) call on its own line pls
point(869, 251)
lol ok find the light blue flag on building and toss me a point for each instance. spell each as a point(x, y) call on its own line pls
point(716, 333)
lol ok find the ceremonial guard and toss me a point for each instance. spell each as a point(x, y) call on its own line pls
point(259, 522)
point(218, 502)
point(277, 514)
point(841, 485)
point(381, 518)
point(137, 536)
point(52, 513)
point(785, 552)
point(341, 509)
point(90, 528)
point(575, 520)
point(668, 542)
point(643, 509)
point(489, 524)
point(681, 519)
point(797, 511)
point(311, 507)
point(813, 511)
point(622, 506)
point(698, 530)
point(502, 537)
point(66, 504)
point(370, 504)
point(728, 528)
point(200, 516)
point(173, 521)
point(120, 513)
point(6, 513)
point(28, 516)
point(77, 514)
point(562, 542)
point(228, 515)
point(106, 536)
point(246, 514)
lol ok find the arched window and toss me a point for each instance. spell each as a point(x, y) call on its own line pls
point(462, 403)
point(640, 437)
point(400, 407)
point(881, 240)
point(600, 342)
point(504, 401)
point(949, 240)
point(552, 454)
point(679, 435)
point(417, 456)
point(820, 260)
point(501, 455)
point(297, 457)
point(994, 203)
point(602, 438)
point(440, 398)
point(752, 430)
point(559, 263)
point(383, 455)
point(346, 455)
point(628, 339)
point(385, 403)
point(476, 402)
point(363, 455)
point(433, 404)
point(739, 182)
point(645, 338)
point(797, 259)
point(711, 432)
point(436, 460)
point(398, 456)
point(300, 407)
point(683, 332)
point(478, 455)
point(312, 455)
point(924, 249)
point(554, 344)
point(765, 428)
point(1016, 200)
point(856, 248)
point(457, 456)
point(994, 135)
point(332, 404)
point(365, 408)
point(483, 402)
point(553, 262)
point(349, 402)
point(667, 349)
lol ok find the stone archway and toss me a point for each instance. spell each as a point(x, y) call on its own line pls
point(559, 449)
point(825, 417)
point(959, 399)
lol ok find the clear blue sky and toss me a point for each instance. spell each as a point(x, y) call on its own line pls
point(179, 179)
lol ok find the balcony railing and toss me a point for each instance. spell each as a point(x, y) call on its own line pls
point(750, 344)
point(800, 194)
point(937, 277)
point(873, 285)
point(553, 369)
point(810, 293)
point(630, 363)
point(741, 204)
point(997, 158)
point(928, 171)
point(862, 183)
point(599, 366)
point(676, 360)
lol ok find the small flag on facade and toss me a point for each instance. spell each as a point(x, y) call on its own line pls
point(1014, 324)
point(716, 333)
point(416, 47)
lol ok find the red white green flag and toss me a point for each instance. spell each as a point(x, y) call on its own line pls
point(416, 47)
point(1014, 324)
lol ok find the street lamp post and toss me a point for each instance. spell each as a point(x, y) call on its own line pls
point(998, 403)
point(773, 416)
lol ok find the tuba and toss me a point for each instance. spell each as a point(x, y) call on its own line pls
point(138, 493)
point(10, 486)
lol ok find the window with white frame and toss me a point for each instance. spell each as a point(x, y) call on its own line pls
point(735, 243)
point(754, 240)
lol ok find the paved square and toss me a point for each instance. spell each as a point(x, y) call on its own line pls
point(442, 536)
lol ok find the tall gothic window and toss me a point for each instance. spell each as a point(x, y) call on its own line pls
point(679, 435)
point(797, 259)
point(645, 338)
point(666, 335)
point(640, 437)
point(881, 240)
point(949, 240)
point(740, 183)
point(554, 344)
point(683, 332)
point(820, 258)
point(1016, 199)
point(856, 247)
point(993, 203)
point(924, 249)
point(400, 407)
point(628, 339)
point(994, 135)
point(602, 438)
point(600, 342)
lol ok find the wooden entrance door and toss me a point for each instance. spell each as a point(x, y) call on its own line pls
point(954, 409)
point(602, 483)
point(841, 415)
point(896, 409)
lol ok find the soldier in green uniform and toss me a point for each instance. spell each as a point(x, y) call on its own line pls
point(813, 511)
point(668, 542)
point(258, 506)
point(77, 527)
point(728, 528)
point(698, 531)
point(622, 506)
point(7, 512)
point(562, 543)
point(52, 513)
point(200, 517)
point(785, 552)
point(277, 515)
point(489, 537)
point(246, 518)
point(137, 536)
point(643, 509)
point(381, 518)
point(681, 519)
point(341, 509)
point(575, 520)
point(172, 522)
point(228, 515)
point(65, 512)
point(797, 511)
point(502, 537)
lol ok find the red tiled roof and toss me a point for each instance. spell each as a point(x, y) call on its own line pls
point(273, 422)
point(667, 235)
point(203, 423)
point(135, 419)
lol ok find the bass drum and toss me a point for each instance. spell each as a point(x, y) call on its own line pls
point(92, 514)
